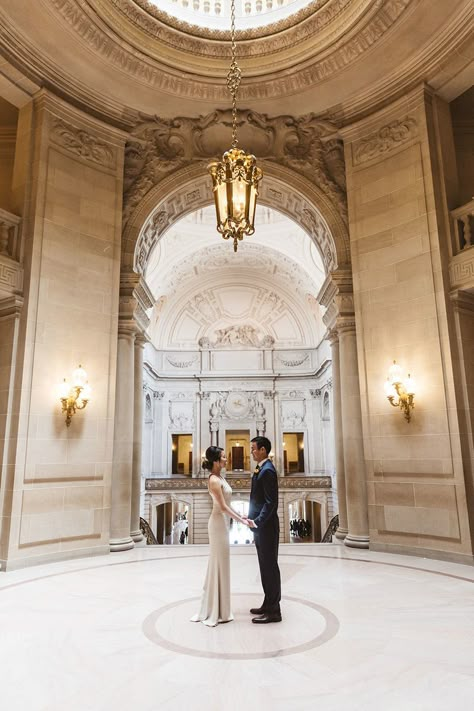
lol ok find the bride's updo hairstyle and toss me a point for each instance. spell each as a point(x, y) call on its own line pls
point(213, 454)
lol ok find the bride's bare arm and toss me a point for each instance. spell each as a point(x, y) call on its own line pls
point(216, 489)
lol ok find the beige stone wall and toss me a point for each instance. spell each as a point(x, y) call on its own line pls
point(68, 187)
point(415, 475)
point(7, 155)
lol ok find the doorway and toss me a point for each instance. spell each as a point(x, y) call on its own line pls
point(172, 523)
point(182, 454)
point(293, 452)
point(305, 521)
point(237, 447)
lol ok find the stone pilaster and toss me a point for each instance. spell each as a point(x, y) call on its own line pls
point(342, 530)
point(120, 539)
point(336, 295)
point(135, 531)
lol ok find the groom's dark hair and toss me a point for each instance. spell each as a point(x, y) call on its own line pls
point(263, 442)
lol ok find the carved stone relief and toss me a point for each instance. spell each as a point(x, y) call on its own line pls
point(384, 140)
point(181, 416)
point(293, 361)
point(372, 19)
point(306, 144)
point(82, 144)
point(288, 201)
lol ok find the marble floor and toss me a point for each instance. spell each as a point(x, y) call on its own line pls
point(362, 631)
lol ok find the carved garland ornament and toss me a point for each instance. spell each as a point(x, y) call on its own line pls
point(385, 139)
point(82, 144)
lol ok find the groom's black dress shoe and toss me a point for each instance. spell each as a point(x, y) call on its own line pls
point(266, 618)
point(257, 610)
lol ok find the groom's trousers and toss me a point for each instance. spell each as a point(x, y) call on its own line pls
point(266, 543)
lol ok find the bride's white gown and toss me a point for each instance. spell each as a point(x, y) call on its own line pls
point(215, 601)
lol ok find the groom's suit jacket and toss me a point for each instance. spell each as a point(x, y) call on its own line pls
point(263, 507)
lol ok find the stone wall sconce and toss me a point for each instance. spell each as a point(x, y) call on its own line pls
point(74, 396)
point(400, 393)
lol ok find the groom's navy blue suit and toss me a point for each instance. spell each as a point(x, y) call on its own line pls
point(263, 509)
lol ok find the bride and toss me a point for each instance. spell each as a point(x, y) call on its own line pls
point(215, 601)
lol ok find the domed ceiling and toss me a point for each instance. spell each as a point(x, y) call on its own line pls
point(267, 289)
point(120, 58)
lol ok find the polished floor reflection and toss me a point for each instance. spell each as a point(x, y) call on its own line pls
point(361, 631)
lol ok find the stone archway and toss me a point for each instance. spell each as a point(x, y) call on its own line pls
point(304, 178)
point(166, 177)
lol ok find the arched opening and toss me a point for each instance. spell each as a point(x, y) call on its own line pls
point(172, 522)
point(305, 523)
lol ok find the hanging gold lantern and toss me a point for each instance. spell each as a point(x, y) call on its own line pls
point(235, 179)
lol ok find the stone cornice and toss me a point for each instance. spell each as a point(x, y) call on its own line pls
point(10, 306)
point(183, 48)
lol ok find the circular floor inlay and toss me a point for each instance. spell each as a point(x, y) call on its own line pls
point(305, 625)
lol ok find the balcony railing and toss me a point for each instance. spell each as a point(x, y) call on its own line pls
point(463, 219)
point(215, 14)
point(461, 266)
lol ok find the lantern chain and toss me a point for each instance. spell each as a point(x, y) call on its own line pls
point(234, 76)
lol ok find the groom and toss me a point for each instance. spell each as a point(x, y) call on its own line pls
point(263, 518)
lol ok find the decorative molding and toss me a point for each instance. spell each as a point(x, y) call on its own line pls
point(183, 363)
point(158, 147)
point(295, 362)
point(461, 270)
point(82, 144)
point(142, 60)
point(384, 140)
point(11, 275)
point(238, 483)
point(11, 307)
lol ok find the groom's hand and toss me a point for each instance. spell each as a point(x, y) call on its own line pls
point(251, 523)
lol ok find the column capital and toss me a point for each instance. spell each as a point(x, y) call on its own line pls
point(127, 328)
point(337, 296)
point(462, 300)
point(135, 299)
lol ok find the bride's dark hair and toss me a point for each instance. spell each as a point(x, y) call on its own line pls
point(213, 454)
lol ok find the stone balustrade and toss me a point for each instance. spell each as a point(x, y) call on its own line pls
point(11, 272)
point(217, 12)
point(461, 267)
point(463, 219)
point(240, 483)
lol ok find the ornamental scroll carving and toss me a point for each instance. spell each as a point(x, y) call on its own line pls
point(306, 144)
point(82, 144)
point(384, 140)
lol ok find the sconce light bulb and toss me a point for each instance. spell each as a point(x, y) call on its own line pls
point(64, 389)
point(79, 377)
point(395, 373)
point(410, 385)
point(86, 392)
point(389, 389)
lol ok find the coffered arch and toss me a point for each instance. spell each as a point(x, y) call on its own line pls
point(189, 189)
